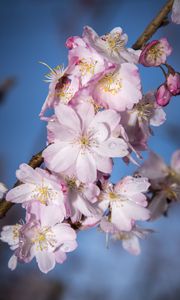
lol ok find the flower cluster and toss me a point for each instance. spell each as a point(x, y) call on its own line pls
point(99, 113)
point(155, 54)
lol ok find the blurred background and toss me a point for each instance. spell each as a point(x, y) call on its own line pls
point(36, 30)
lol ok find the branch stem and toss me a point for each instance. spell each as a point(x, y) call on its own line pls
point(153, 25)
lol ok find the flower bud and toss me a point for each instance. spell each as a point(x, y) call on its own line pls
point(173, 84)
point(163, 95)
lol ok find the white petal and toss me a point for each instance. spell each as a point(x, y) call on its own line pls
point(132, 245)
point(113, 147)
point(68, 117)
point(109, 116)
point(120, 219)
point(86, 167)
point(60, 156)
point(86, 113)
point(27, 174)
point(46, 261)
point(60, 256)
point(21, 193)
point(104, 164)
point(12, 263)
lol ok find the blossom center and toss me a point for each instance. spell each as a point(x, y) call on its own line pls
point(43, 194)
point(113, 196)
point(155, 51)
point(44, 238)
point(144, 110)
point(111, 84)
point(114, 41)
point(87, 66)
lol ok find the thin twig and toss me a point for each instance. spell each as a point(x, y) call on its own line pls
point(153, 26)
point(35, 162)
point(37, 159)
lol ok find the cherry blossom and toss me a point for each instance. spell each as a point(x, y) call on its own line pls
point(130, 240)
point(155, 53)
point(63, 86)
point(81, 199)
point(10, 235)
point(83, 141)
point(43, 237)
point(120, 89)
point(164, 180)
point(145, 113)
point(126, 202)
point(37, 185)
point(111, 45)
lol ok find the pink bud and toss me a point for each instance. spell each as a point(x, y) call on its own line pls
point(155, 53)
point(163, 95)
point(173, 84)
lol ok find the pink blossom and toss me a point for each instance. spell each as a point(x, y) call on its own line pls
point(83, 141)
point(173, 83)
point(176, 12)
point(154, 167)
point(164, 180)
point(155, 53)
point(63, 86)
point(145, 113)
point(126, 201)
point(10, 235)
point(88, 62)
point(111, 45)
point(81, 199)
point(120, 89)
point(43, 237)
point(37, 185)
point(163, 95)
point(130, 240)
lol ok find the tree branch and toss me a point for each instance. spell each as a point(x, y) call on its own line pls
point(34, 162)
point(157, 22)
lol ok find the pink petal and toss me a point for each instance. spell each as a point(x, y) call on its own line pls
point(132, 245)
point(21, 193)
point(113, 147)
point(46, 261)
point(59, 132)
point(109, 116)
point(60, 156)
point(60, 256)
point(120, 219)
point(26, 174)
point(130, 185)
point(69, 246)
point(63, 233)
point(86, 167)
point(103, 164)
point(67, 117)
point(86, 114)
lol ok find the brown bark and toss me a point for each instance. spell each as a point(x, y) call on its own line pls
point(157, 22)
